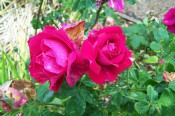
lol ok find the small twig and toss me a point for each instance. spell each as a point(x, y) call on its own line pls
point(39, 11)
point(127, 17)
point(98, 12)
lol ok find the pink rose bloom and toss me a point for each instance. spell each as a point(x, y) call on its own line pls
point(107, 52)
point(169, 20)
point(53, 54)
point(115, 4)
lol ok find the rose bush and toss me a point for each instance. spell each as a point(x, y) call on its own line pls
point(107, 53)
point(169, 20)
point(53, 54)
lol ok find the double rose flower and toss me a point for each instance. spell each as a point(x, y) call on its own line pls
point(58, 53)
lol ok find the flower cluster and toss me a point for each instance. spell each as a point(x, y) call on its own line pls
point(56, 53)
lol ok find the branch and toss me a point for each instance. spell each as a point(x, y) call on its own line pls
point(127, 17)
point(96, 19)
point(39, 11)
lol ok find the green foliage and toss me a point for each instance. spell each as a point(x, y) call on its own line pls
point(12, 68)
point(132, 2)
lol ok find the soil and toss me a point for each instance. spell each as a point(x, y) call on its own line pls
point(142, 7)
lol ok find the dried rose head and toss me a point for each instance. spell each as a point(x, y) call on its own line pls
point(168, 77)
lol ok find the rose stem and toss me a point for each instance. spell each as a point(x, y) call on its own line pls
point(39, 11)
point(98, 12)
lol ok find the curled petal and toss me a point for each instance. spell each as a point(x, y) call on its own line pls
point(75, 31)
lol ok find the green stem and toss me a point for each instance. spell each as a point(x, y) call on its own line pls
point(96, 19)
point(39, 11)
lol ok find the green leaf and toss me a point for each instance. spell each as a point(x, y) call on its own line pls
point(75, 6)
point(31, 112)
point(160, 34)
point(171, 46)
point(132, 2)
point(152, 94)
point(170, 111)
point(87, 81)
point(65, 91)
point(152, 59)
point(141, 107)
point(138, 96)
point(12, 66)
point(41, 91)
point(170, 67)
point(171, 85)
point(87, 95)
point(135, 41)
point(117, 99)
point(155, 46)
point(146, 21)
point(48, 96)
point(167, 97)
point(76, 106)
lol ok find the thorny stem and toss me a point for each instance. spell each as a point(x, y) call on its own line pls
point(98, 12)
point(39, 11)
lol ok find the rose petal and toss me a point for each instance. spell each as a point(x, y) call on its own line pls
point(36, 69)
point(106, 74)
point(126, 64)
point(92, 36)
point(75, 31)
point(102, 60)
point(169, 17)
point(113, 32)
point(171, 28)
point(55, 82)
point(88, 52)
point(18, 97)
point(33, 42)
point(76, 68)
point(116, 4)
point(60, 50)
point(51, 65)
point(49, 28)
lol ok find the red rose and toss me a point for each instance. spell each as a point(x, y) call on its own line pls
point(169, 20)
point(107, 53)
point(53, 54)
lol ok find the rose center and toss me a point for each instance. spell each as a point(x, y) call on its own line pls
point(110, 50)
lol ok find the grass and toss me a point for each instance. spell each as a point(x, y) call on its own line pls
point(15, 29)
